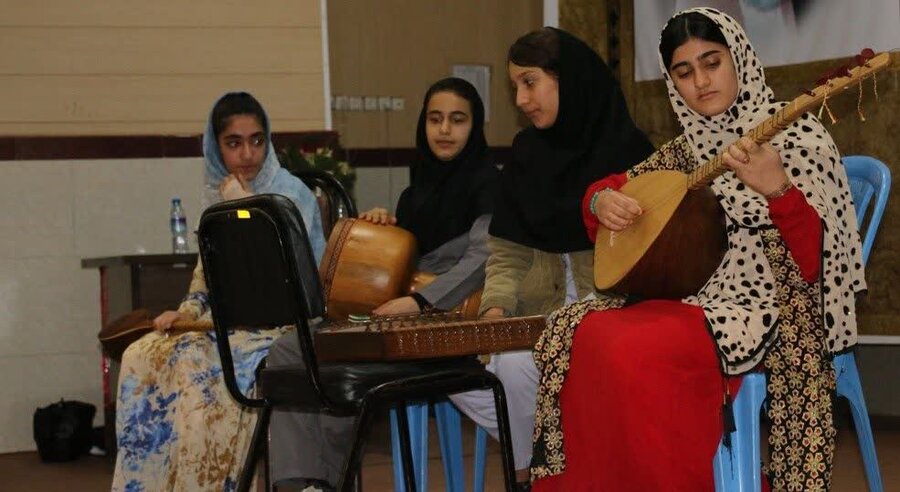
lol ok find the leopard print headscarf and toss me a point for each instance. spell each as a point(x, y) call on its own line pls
point(757, 304)
point(740, 300)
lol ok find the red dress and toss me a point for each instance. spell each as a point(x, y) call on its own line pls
point(642, 402)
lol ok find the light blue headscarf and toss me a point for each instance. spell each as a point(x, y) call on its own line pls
point(272, 178)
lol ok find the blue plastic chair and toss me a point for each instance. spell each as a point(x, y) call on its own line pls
point(450, 436)
point(740, 468)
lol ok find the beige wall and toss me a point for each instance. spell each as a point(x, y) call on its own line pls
point(398, 48)
point(127, 67)
point(50, 312)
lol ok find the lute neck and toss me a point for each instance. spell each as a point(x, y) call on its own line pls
point(705, 173)
point(844, 78)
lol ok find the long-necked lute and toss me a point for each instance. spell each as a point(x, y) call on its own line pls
point(676, 244)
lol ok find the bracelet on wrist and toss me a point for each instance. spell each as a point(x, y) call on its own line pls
point(784, 188)
point(594, 198)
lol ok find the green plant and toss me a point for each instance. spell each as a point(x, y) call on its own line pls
point(322, 159)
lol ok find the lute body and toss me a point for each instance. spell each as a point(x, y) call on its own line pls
point(672, 248)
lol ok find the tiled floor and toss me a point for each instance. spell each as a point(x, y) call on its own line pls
point(24, 472)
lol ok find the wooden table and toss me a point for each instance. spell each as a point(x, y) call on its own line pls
point(154, 282)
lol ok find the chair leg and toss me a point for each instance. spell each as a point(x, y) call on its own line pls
point(397, 458)
point(256, 443)
point(350, 478)
point(748, 441)
point(738, 469)
point(418, 428)
point(480, 459)
point(509, 469)
point(417, 415)
point(723, 469)
point(849, 386)
point(267, 462)
point(409, 472)
point(450, 435)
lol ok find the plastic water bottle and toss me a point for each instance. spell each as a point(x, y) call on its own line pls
point(178, 224)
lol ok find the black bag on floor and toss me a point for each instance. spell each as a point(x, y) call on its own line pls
point(62, 431)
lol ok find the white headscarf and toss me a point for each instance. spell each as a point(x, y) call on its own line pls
point(740, 298)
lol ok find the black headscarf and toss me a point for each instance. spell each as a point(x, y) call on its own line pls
point(539, 201)
point(445, 197)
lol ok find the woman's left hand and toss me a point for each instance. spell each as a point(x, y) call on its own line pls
point(400, 305)
point(757, 166)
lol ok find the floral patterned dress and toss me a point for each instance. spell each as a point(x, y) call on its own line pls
point(177, 426)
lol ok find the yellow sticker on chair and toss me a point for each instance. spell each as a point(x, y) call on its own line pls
point(243, 214)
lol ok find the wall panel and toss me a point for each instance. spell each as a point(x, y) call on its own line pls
point(102, 67)
point(398, 48)
point(118, 13)
point(163, 50)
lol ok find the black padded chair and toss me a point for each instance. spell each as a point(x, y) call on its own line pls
point(260, 271)
point(333, 195)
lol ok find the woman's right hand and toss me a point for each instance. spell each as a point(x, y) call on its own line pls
point(164, 321)
point(615, 210)
point(234, 186)
point(378, 215)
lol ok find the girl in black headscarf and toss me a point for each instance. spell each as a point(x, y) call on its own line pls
point(448, 203)
point(541, 257)
point(447, 207)
point(554, 160)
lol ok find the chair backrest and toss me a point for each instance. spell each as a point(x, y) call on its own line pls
point(260, 271)
point(869, 178)
point(332, 196)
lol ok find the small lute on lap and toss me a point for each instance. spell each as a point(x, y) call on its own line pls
point(116, 336)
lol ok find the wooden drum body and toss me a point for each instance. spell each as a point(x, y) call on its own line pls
point(364, 266)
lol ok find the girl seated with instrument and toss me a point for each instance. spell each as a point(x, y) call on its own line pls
point(540, 259)
point(633, 399)
point(448, 208)
point(177, 427)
